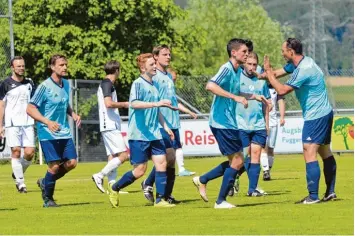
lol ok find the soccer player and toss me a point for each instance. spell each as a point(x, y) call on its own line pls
point(308, 82)
point(178, 152)
point(110, 125)
point(15, 94)
point(50, 107)
point(225, 86)
point(267, 154)
point(166, 88)
point(253, 121)
point(145, 138)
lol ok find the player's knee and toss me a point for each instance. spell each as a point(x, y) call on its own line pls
point(29, 153)
point(71, 164)
point(123, 156)
point(16, 152)
point(140, 170)
point(53, 168)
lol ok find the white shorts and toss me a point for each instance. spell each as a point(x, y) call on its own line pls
point(20, 136)
point(271, 138)
point(114, 142)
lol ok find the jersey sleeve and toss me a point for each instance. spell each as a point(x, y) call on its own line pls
point(266, 91)
point(33, 85)
point(289, 68)
point(298, 78)
point(106, 87)
point(39, 96)
point(220, 76)
point(3, 90)
point(136, 92)
point(279, 97)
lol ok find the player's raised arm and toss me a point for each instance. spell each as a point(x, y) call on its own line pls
point(217, 90)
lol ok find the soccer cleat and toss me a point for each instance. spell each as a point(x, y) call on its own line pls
point(40, 183)
point(148, 192)
point(231, 192)
point(261, 191)
point(172, 200)
point(163, 203)
point(266, 175)
point(22, 188)
point(49, 202)
point(201, 188)
point(224, 205)
point(113, 196)
point(235, 189)
point(308, 200)
point(329, 197)
point(255, 193)
point(98, 182)
point(186, 173)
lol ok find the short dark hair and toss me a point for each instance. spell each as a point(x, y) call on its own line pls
point(234, 44)
point(111, 67)
point(16, 58)
point(249, 44)
point(294, 44)
point(157, 49)
point(55, 57)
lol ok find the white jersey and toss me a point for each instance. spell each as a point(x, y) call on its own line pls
point(16, 96)
point(109, 117)
point(273, 113)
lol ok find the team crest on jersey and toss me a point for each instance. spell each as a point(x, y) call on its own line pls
point(251, 87)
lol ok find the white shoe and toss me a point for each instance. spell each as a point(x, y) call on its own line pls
point(98, 182)
point(200, 189)
point(261, 191)
point(224, 205)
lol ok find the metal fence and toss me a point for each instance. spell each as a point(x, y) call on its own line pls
point(6, 37)
point(192, 93)
point(340, 90)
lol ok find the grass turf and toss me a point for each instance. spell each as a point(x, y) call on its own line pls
point(84, 210)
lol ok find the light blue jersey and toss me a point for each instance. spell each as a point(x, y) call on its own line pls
point(252, 117)
point(52, 101)
point(309, 83)
point(222, 114)
point(143, 124)
point(166, 88)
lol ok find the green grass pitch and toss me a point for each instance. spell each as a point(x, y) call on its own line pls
point(84, 210)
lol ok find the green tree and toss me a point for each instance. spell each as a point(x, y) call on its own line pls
point(90, 32)
point(210, 25)
point(214, 23)
point(341, 127)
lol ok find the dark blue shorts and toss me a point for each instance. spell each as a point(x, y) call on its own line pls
point(228, 140)
point(176, 144)
point(318, 131)
point(58, 150)
point(142, 151)
point(253, 136)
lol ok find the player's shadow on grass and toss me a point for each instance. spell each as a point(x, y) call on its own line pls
point(275, 179)
point(189, 200)
point(276, 193)
point(79, 204)
point(259, 204)
point(38, 191)
point(8, 209)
